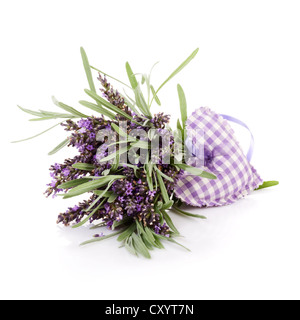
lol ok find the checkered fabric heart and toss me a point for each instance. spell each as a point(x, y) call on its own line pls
point(236, 177)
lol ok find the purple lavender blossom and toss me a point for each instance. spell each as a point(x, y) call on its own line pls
point(66, 172)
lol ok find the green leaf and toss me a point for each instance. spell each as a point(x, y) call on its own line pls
point(112, 198)
point(68, 108)
point(115, 154)
point(150, 237)
point(163, 175)
point(59, 147)
point(182, 66)
point(163, 189)
point(155, 96)
point(187, 213)
point(56, 114)
point(46, 115)
point(83, 166)
point(169, 239)
point(98, 109)
point(148, 168)
point(121, 132)
point(98, 225)
point(52, 118)
point(183, 105)
point(167, 205)
point(170, 222)
point(129, 246)
point(127, 233)
point(38, 134)
point(196, 171)
point(140, 144)
point(91, 206)
point(139, 98)
point(87, 69)
point(140, 246)
point(117, 224)
point(144, 76)
point(33, 113)
point(91, 185)
point(179, 244)
point(107, 75)
point(268, 184)
point(81, 223)
point(131, 76)
point(141, 102)
point(101, 238)
point(73, 183)
point(108, 105)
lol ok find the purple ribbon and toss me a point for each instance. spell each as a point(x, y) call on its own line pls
point(251, 148)
point(208, 156)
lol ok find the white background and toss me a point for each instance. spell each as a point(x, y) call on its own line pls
point(248, 66)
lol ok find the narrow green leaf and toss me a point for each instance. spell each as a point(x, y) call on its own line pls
point(38, 134)
point(108, 105)
point(179, 127)
point(144, 76)
point(141, 102)
point(87, 69)
point(101, 238)
point(176, 209)
point(141, 144)
point(139, 98)
point(91, 206)
point(268, 184)
point(59, 147)
point(107, 75)
point(68, 108)
point(52, 118)
point(131, 76)
point(150, 237)
point(117, 224)
point(129, 246)
point(148, 168)
point(163, 175)
point(83, 166)
point(169, 239)
point(140, 246)
point(98, 109)
point(112, 198)
point(196, 171)
point(167, 205)
point(33, 113)
point(163, 189)
point(120, 131)
point(81, 223)
point(91, 185)
point(98, 225)
point(131, 104)
point(74, 183)
point(179, 244)
point(115, 154)
point(107, 194)
point(182, 66)
point(170, 222)
point(128, 232)
point(155, 96)
point(183, 105)
point(56, 114)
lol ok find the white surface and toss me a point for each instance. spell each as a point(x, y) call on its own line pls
point(248, 66)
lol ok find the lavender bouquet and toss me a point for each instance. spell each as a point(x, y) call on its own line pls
point(133, 167)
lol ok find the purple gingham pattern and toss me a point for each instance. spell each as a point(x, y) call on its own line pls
point(236, 177)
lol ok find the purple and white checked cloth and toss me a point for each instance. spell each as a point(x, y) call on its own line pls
point(223, 156)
